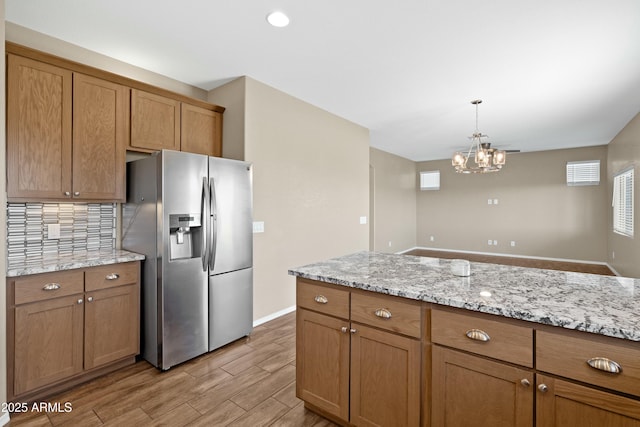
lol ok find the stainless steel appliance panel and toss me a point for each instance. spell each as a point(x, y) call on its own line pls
point(184, 302)
point(232, 219)
point(230, 307)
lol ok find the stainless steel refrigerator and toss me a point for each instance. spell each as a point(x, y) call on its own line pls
point(191, 216)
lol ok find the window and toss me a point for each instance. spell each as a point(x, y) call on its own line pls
point(430, 180)
point(623, 202)
point(583, 173)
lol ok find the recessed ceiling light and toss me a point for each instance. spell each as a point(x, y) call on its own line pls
point(278, 19)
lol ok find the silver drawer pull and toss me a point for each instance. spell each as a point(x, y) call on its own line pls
point(112, 276)
point(383, 313)
point(478, 335)
point(51, 287)
point(604, 364)
point(321, 299)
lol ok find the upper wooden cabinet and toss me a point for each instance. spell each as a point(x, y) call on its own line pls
point(201, 131)
point(54, 154)
point(100, 136)
point(38, 129)
point(155, 121)
point(158, 122)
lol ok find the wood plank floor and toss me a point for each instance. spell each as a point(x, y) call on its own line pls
point(522, 262)
point(250, 382)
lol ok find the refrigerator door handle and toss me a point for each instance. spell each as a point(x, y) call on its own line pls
point(205, 218)
point(213, 229)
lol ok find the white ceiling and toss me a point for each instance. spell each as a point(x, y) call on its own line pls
point(552, 73)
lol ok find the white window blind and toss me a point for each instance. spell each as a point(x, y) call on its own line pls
point(430, 180)
point(623, 203)
point(583, 173)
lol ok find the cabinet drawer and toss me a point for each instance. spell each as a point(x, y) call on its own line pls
point(386, 312)
point(39, 287)
point(110, 276)
point(567, 356)
point(506, 341)
point(334, 302)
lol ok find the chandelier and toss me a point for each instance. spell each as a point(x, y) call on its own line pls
point(486, 159)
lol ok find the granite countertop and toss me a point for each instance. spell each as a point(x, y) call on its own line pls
point(605, 305)
point(69, 262)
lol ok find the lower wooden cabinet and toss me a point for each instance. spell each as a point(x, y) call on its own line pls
point(322, 362)
point(468, 390)
point(352, 372)
point(565, 404)
point(385, 378)
point(48, 342)
point(64, 325)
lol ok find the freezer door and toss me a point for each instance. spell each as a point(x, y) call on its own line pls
point(230, 307)
point(231, 247)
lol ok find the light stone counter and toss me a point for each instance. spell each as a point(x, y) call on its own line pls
point(605, 305)
point(88, 259)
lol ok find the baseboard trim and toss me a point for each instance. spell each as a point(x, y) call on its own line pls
point(4, 419)
point(272, 316)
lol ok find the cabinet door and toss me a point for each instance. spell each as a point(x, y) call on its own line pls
point(322, 362)
point(564, 404)
point(111, 325)
point(155, 121)
point(48, 342)
point(472, 391)
point(201, 131)
point(385, 378)
point(100, 133)
point(38, 130)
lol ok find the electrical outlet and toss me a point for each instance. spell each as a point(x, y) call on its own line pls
point(495, 201)
point(495, 243)
point(389, 243)
point(513, 243)
point(258, 226)
point(489, 242)
point(489, 201)
point(431, 238)
point(363, 220)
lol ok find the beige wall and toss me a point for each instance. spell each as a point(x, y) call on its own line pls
point(624, 151)
point(233, 97)
point(536, 209)
point(393, 201)
point(311, 183)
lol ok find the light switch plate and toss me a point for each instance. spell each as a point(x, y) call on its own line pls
point(53, 231)
point(363, 220)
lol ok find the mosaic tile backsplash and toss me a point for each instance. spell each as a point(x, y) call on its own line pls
point(84, 227)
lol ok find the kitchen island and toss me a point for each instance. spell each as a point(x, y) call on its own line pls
point(507, 338)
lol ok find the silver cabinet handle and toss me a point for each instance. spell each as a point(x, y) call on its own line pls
point(525, 382)
point(67, 193)
point(604, 364)
point(51, 287)
point(353, 331)
point(344, 329)
point(321, 299)
point(76, 193)
point(478, 335)
point(112, 276)
point(543, 388)
point(80, 301)
point(383, 313)
point(90, 299)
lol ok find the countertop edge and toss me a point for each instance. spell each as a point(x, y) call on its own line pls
point(539, 318)
point(74, 262)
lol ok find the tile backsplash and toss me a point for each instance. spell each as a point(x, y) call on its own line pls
point(84, 227)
